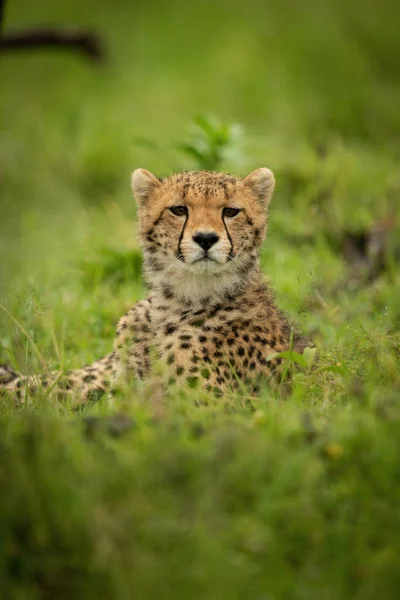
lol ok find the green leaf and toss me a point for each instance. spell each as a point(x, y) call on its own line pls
point(309, 355)
point(291, 356)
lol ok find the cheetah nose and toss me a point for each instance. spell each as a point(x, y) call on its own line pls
point(205, 240)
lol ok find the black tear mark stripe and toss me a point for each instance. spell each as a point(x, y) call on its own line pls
point(156, 222)
point(229, 238)
point(179, 253)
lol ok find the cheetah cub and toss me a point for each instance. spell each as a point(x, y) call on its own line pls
point(209, 314)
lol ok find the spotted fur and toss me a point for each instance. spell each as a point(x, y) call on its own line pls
point(210, 317)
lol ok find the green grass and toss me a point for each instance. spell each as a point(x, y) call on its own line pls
point(289, 496)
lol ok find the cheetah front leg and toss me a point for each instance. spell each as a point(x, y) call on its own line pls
point(130, 359)
point(77, 385)
point(132, 344)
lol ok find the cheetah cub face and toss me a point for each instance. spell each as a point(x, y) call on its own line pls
point(201, 231)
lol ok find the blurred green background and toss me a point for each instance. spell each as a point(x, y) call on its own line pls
point(268, 498)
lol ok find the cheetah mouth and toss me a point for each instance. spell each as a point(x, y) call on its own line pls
point(206, 265)
point(205, 258)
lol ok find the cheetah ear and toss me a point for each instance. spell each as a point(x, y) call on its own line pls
point(262, 183)
point(143, 183)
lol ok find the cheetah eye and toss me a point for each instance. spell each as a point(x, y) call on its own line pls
point(179, 211)
point(230, 212)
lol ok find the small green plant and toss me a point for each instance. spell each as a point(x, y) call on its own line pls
point(212, 142)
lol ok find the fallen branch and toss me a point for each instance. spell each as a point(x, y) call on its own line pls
point(84, 42)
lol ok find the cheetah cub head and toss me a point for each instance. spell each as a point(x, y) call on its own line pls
point(202, 231)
